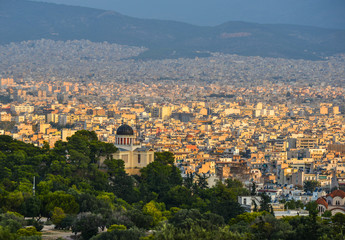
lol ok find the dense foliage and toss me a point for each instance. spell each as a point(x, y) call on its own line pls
point(105, 203)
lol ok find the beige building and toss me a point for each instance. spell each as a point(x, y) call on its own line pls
point(324, 110)
point(65, 133)
point(130, 151)
point(162, 112)
point(306, 142)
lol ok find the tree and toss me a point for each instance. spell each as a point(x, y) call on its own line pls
point(12, 221)
point(268, 227)
point(14, 201)
point(253, 190)
point(327, 214)
point(265, 202)
point(312, 226)
point(91, 203)
point(130, 234)
point(339, 223)
point(188, 181)
point(156, 211)
point(311, 185)
point(58, 215)
point(233, 183)
point(31, 207)
point(167, 158)
point(236, 187)
point(87, 224)
point(6, 234)
point(120, 183)
point(116, 227)
point(29, 231)
point(222, 201)
point(202, 181)
point(160, 176)
point(246, 217)
point(139, 218)
point(179, 196)
point(62, 200)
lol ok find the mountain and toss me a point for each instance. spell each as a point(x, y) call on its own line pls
point(25, 20)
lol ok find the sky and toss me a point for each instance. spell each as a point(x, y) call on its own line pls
point(321, 13)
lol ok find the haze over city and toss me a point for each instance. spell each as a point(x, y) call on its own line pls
point(321, 13)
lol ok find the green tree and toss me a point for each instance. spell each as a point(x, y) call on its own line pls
point(265, 202)
point(268, 227)
point(139, 219)
point(31, 207)
point(58, 215)
point(253, 190)
point(160, 176)
point(166, 158)
point(115, 227)
point(246, 217)
point(88, 224)
point(202, 181)
point(339, 223)
point(130, 234)
point(311, 185)
point(312, 225)
point(179, 196)
point(222, 201)
point(156, 211)
point(29, 231)
point(188, 181)
point(121, 184)
point(6, 234)
point(12, 221)
point(327, 214)
point(62, 200)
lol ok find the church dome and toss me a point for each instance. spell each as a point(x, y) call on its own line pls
point(125, 130)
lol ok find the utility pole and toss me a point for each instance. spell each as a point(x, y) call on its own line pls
point(33, 186)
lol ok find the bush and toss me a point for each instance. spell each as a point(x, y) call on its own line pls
point(117, 227)
point(29, 231)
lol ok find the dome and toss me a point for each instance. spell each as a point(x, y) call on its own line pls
point(125, 130)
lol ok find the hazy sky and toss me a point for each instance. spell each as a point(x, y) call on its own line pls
point(324, 13)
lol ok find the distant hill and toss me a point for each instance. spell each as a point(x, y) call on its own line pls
point(24, 20)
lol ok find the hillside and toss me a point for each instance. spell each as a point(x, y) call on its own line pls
point(24, 20)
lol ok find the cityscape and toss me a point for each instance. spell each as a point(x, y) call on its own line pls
point(96, 143)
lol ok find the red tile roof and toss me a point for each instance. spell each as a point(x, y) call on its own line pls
point(322, 201)
point(337, 193)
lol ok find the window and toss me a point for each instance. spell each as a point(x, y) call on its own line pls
point(139, 158)
point(245, 201)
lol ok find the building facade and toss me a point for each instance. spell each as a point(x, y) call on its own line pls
point(334, 202)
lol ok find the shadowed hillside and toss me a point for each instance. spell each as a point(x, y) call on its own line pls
point(24, 20)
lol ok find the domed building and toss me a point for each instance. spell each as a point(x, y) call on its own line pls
point(125, 135)
point(334, 202)
point(130, 150)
